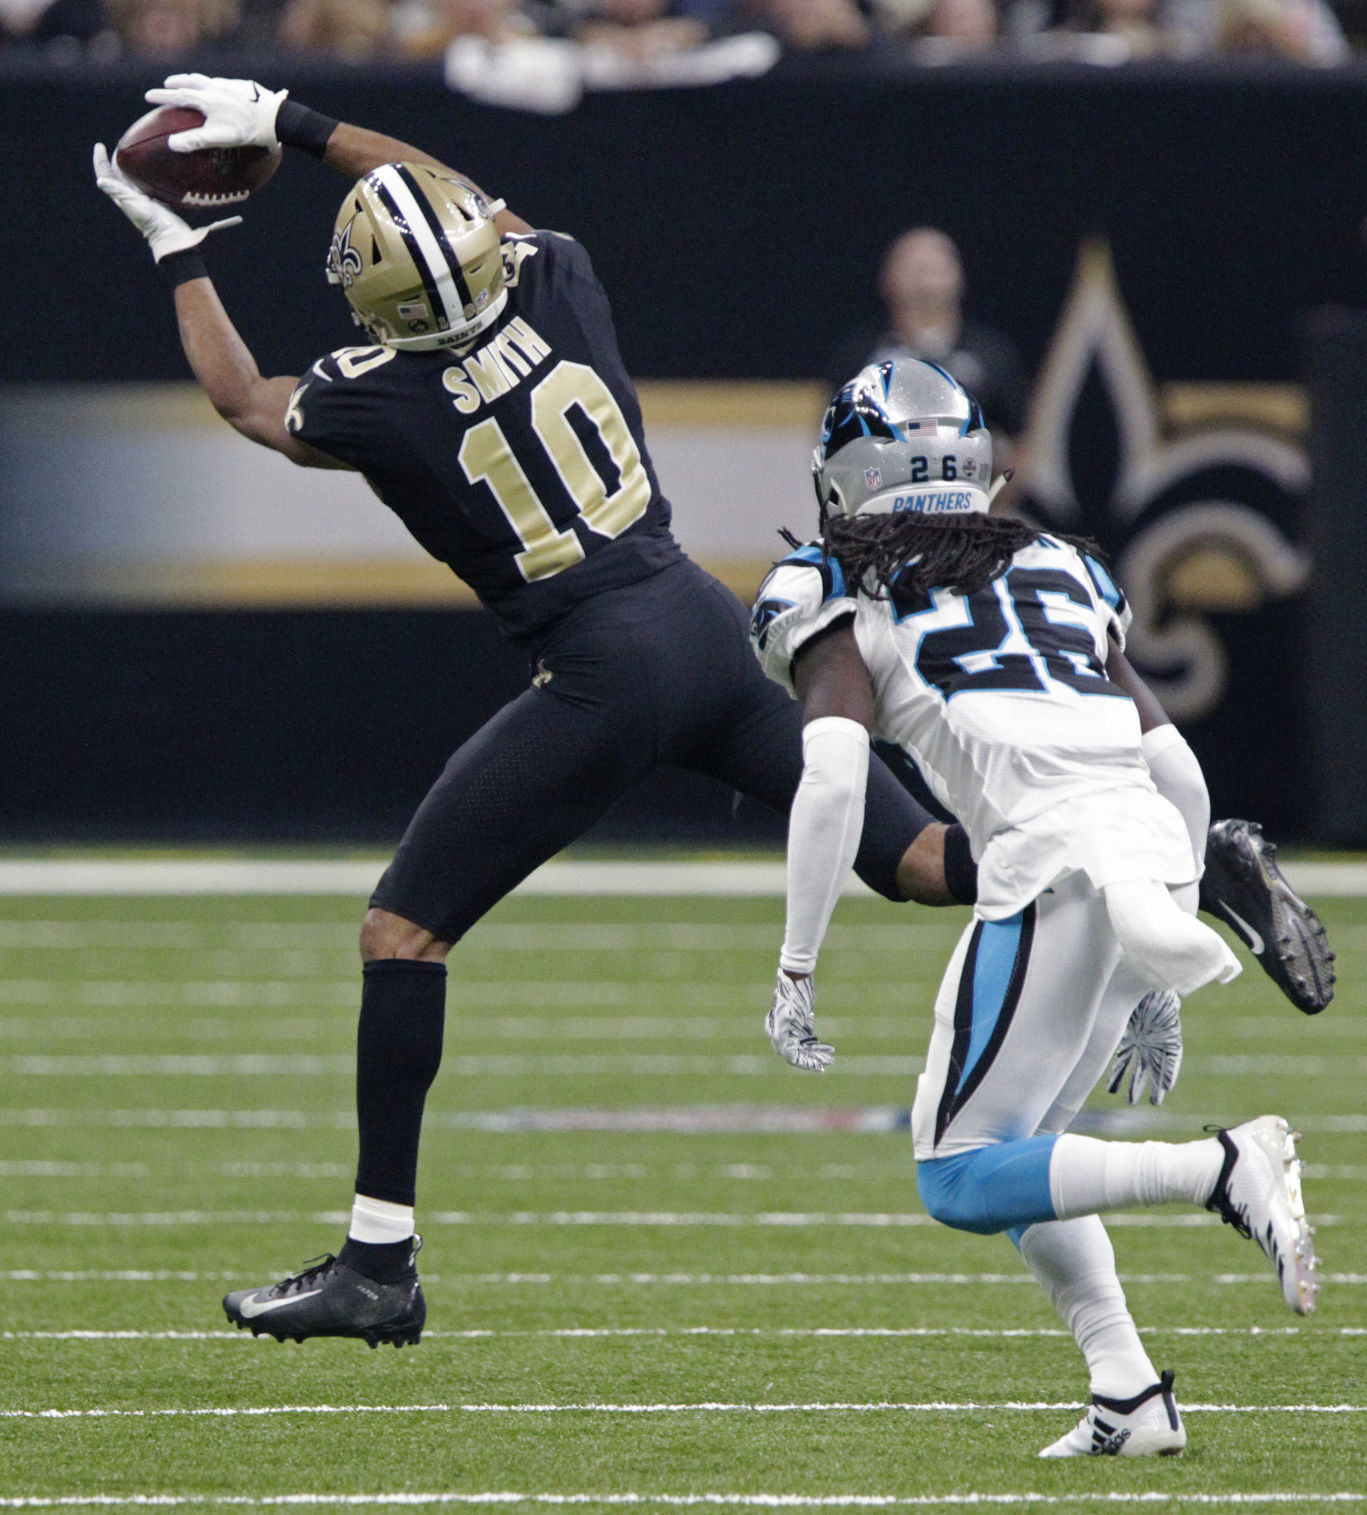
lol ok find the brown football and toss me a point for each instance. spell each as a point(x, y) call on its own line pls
point(205, 180)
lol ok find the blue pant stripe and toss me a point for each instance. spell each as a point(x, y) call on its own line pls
point(990, 986)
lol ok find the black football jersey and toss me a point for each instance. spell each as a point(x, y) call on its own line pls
point(520, 462)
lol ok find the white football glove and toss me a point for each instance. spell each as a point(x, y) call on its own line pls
point(237, 112)
point(790, 1024)
point(163, 228)
point(1150, 1050)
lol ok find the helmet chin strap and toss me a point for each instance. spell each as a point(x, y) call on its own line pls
point(1002, 480)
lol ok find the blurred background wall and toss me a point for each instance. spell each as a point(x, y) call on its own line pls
point(200, 642)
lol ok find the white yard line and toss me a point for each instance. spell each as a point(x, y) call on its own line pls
point(593, 1333)
point(736, 1119)
point(701, 1407)
point(680, 1219)
point(635, 1280)
point(713, 1500)
point(351, 877)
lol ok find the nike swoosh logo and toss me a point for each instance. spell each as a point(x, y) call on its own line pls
point(1256, 945)
point(251, 1308)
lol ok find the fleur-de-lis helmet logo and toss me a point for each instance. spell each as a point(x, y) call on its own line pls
point(344, 262)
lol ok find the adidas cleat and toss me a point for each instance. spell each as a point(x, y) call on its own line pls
point(1244, 888)
point(1259, 1194)
point(1146, 1426)
point(330, 1299)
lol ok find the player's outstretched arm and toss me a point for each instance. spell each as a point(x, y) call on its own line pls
point(217, 354)
point(222, 362)
point(242, 113)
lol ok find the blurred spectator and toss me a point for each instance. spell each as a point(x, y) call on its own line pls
point(639, 28)
point(922, 286)
point(810, 25)
point(171, 28)
point(425, 28)
point(954, 29)
point(1114, 31)
point(1117, 31)
point(1306, 31)
point(60, 27)
point(350, 29)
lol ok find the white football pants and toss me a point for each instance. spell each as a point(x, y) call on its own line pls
point(1028, 1014)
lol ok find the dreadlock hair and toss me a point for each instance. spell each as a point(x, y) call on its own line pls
point(930, 552)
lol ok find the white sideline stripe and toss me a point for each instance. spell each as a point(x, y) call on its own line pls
point(688, 1119)
point(488, 1065)
point(706, 1280)
point(702, 1407)
point(724, 1500)
point(349, 876)
point(590, 1333)
point(563, 1064)
point(779, 1219)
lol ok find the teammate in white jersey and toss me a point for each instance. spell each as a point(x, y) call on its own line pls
point(993, 654)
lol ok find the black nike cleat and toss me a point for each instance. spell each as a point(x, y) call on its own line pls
point(1244, 888)
point(330, 1299)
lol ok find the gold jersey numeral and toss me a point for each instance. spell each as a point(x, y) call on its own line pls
point(486, 456)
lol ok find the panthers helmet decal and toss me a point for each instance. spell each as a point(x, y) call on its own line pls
point(903, 435)
point(416, 252)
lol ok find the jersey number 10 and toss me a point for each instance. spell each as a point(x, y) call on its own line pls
point(486, 455)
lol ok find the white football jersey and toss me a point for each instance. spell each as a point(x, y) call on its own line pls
point(1002, 700)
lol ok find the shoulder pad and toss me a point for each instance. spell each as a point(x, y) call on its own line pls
point(802, 595)
point(1112, 595)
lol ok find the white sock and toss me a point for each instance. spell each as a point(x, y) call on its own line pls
point(1087, 1175)
point(1074, 1262)
point(377, 1220)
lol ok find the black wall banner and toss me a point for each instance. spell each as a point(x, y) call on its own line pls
point(1155, 239)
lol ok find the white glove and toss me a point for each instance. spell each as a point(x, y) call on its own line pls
point(237, 112)
point(790, 1024)
point(163, 228)
point(1150, 1051)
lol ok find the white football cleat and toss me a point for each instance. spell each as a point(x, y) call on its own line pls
point(1259, 1194)
point(1146, 1426)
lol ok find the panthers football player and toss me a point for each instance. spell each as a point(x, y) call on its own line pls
point(489, 407)
point(993, 653)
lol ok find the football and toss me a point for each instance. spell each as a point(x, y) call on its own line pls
point(204, 180)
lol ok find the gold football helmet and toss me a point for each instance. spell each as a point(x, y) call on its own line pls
point(417, 254)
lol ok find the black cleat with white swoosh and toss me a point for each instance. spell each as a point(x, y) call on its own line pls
point(328, 1298)
point(1244, 888)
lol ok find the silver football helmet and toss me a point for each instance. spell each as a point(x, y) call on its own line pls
point(903, 435)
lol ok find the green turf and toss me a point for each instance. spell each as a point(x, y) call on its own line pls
point(189, 1060)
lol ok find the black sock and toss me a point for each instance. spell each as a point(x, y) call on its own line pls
point(961, 872)
point(387, 1262)
point(398, 1052)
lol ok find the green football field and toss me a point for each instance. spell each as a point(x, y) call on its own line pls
point(663, 1269)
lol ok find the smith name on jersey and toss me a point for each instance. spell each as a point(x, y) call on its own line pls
point(520, 462)
point(1001, 698)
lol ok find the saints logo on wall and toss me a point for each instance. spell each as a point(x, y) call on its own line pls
point(1196, 490)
